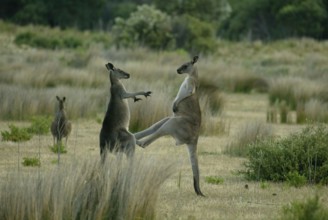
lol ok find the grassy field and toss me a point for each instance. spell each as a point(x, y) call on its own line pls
point(228, 200)
point(236, 83)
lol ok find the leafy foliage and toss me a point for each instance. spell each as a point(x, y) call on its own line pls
point(16, 134)
point(274, 19)
point(147, 27)
point(72, 13)
point(31, 162)
point(40, 125)
point(152, 28)
point(299, 155)
point(193, 34)
point(58, 147)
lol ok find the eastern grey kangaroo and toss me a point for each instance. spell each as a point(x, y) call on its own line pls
point(185, 123)
point(61, 127)
point(114, 135)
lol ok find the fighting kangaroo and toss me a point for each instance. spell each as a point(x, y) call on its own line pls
point(185, 123)
point(114, 135)
point(60, 127)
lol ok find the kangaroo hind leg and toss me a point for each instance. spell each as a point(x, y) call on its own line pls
point(151, 129)
point(192, 149)
point(128, 143)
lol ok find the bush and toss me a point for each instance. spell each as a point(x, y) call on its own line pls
point(16, 134)
point(59, 147)
point(194, 35)
point(299, 155)
point(41, 40)
point(147, 27)
point(31, 162)
point(214, 180)
point(40, 125)
point(310, 209)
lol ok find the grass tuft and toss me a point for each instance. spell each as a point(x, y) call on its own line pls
point(87, 189)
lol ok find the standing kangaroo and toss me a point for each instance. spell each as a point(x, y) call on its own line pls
point(185, 123)
point(60, 127)
point(114, 135)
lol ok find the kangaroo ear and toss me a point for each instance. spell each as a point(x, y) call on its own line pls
point(194, 60)
point(110, 66)
point(58, 98)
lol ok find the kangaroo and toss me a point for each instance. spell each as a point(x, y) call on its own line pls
point(114, 135)
point(184, 125)
point(60, 127)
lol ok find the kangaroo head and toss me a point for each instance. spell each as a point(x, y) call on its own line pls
point(61, 102)
point(117, 73)
point(187, 67)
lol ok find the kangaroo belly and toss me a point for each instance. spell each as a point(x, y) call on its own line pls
point(189, 117)
point(189, 107)
point(117, 116)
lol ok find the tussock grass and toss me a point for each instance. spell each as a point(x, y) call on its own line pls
point(248, 134)
point(316, 110)
point(117, 189)
point(298, 94)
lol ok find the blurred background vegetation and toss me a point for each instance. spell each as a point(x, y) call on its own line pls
point(192, 25)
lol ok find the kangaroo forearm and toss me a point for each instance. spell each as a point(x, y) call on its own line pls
point(135, 94)
point(132, 95)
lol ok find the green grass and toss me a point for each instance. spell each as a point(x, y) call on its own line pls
point(216, 180)
point(58, 147)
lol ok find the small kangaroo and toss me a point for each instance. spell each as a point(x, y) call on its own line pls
point(114, 135)
point(184, 125)
point(61, 127)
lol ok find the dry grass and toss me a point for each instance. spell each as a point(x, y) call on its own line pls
point(86, 189)
point(176, 199)
point(248, 134)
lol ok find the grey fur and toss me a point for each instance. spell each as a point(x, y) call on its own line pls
point(114, 135)
point(61, 127)
point(184, 125)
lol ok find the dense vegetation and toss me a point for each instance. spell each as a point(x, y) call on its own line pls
point(192, 25)
point(300, 158)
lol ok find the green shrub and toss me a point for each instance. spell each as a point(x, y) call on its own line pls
point(147, 27)
point(35, 40)
point(295, 179)
point(50, 41)
point(310, 209)
point(214, 180)
point(31, 162)
point(194, 35)
point(58, 147)
point(16, 134)
point(303, 154)
point(40, 125)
